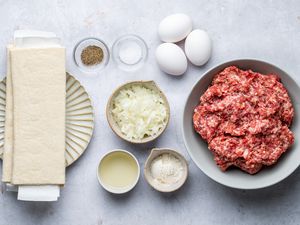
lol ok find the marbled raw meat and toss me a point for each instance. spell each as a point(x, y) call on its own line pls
point(245, 118)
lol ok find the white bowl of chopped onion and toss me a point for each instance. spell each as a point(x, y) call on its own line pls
point(138, 111)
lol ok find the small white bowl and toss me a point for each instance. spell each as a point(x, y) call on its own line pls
point(118, 190)
point(156, 152)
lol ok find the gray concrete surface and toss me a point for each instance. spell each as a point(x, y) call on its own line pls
point(268, 30)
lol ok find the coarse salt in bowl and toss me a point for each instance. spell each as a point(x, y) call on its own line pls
point(129, 52)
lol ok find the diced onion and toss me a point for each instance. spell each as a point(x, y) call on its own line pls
point(139, 112)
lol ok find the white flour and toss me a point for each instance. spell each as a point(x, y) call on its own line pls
point(166, 169)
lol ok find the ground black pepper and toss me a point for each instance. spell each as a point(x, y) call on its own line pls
point(92, 55)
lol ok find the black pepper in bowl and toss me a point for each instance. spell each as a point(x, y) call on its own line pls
point(92, 55)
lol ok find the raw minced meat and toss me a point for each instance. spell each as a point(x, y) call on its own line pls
point(245, 118)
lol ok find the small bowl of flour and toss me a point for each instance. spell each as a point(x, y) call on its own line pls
point(165, 170)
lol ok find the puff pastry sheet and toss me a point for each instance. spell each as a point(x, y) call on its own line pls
point(34, 145)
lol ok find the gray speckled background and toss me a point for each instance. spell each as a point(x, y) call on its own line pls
point(268, 30)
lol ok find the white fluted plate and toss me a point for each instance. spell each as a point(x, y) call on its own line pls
point(79, 119)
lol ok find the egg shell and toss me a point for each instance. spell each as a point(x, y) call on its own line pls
point(198, 47)
point(171, 59)
point(175, 27)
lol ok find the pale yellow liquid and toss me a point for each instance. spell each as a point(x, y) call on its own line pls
point(118, 169)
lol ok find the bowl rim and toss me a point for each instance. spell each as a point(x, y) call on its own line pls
point(224, 64)
point(113, 125)
point(111, 189)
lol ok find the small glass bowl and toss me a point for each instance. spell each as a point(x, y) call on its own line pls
point(81, 45)
point(129, 52)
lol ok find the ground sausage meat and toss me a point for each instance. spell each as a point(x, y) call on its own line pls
point(245, 118)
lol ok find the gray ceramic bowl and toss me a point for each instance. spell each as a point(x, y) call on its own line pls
point(203, 158)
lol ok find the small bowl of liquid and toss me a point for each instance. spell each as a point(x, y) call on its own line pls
point(118, 171)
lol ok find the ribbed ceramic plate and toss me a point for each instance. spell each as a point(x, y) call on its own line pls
point(79, 119)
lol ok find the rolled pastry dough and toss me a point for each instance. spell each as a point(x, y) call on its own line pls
point(8, 134)
point(39, 89)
